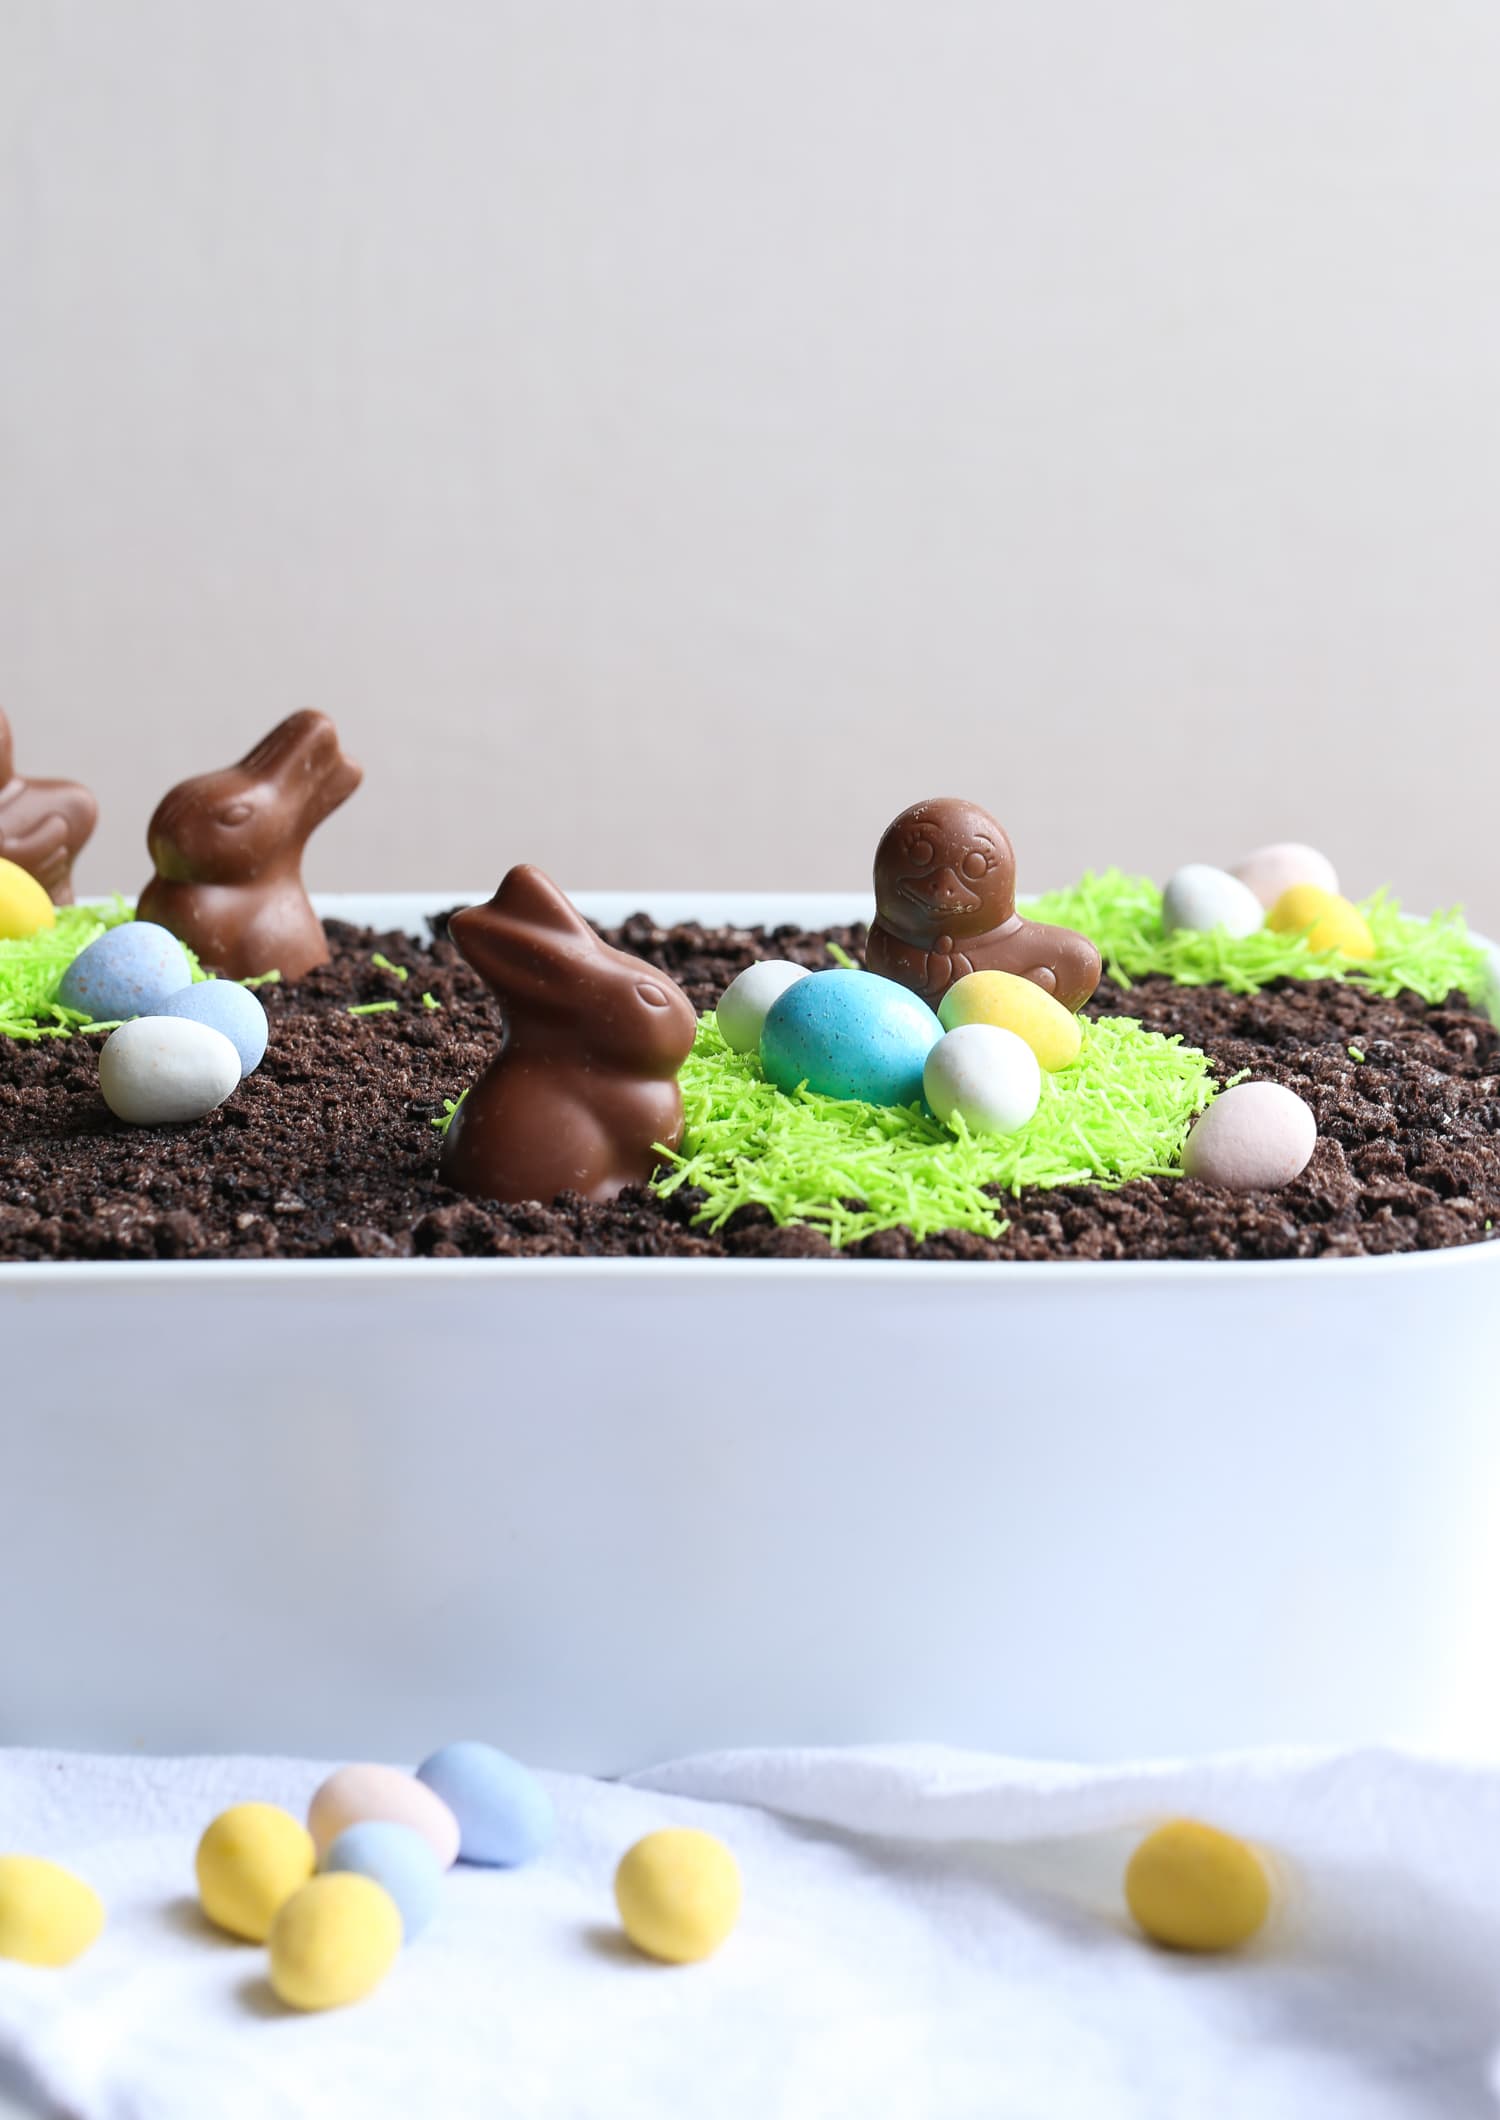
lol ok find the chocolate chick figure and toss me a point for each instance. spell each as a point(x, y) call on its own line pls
point(945, 905)
point(44, 824)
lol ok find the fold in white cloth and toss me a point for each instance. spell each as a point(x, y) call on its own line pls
point(925, 1933)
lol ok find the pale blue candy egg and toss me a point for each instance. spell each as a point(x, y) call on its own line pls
point(225, 1006)
point(504, 1814)
point(850, 1034)
point(397, 1858)
point(128, 971)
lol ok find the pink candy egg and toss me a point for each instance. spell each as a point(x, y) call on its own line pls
point(1252, 1138)
point(351, 1796)
point(1271, 870)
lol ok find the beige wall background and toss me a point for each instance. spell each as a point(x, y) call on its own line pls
point(669, 435)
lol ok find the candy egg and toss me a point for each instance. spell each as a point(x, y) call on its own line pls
point(678, 1892)
point(1011, 1003)
point(47, 1915)
point(1328, 921)
point(1199, 898)
point(125, 972)
point(1252, 1138)
point(25, 908)
point(504, 1814)
point(163, 1071)
point(985, 1076)
point(351, 1795)
point(249, 1863)
point(1194, 1888)
point(333, 1942)
point(742, 1011)
point(227, 1007)
point(399, 1860)
point(1271, 870)
point(849, 1034)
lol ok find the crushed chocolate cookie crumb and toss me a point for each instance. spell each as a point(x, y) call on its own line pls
point(329, 1151)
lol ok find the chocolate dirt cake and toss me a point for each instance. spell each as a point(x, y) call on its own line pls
point(1239, 1066)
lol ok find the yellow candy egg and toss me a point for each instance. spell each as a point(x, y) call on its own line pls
point(25, 908)
point(1328, 921)
point(1194, 1888)
point(250, 1861)
point(1010, 1003)
point(679, 1893)
point(334, 1941)
point(47, 1915)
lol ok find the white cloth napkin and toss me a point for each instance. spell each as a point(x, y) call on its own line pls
point(925, 1933)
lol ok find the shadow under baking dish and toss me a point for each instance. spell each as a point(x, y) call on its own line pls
point(605, 1510)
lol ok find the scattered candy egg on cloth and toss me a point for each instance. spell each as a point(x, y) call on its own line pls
point(250, 1861)
point(353, 1794)
point(333, 1942)
point(1012, 1003)
point(1199, 898)
point(164, 1071)
point(985, 1076)
point(25, 908)
point(678, 1892)
point(127, 971)
point(849, 1034)
point(399, 1860)
point(1252, 1138)
point(504, 1814)
point(1328, 921)
point(1193, 1888)
point(1271, 870)
point(47, 1915)
point(741, 1012)
point(229, 1008)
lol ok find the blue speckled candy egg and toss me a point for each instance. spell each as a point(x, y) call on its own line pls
point(850, 1034)
point(127, 971)
point(504, 1814)
point(400, 1861)
point(228, 1007)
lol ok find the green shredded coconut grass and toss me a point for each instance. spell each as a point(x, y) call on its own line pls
point(1121, 1111)
point(383, 963)
point(31, 972)
point(1121, 915)
point(428, 1001)
point(841, 957)
point(375, 1008)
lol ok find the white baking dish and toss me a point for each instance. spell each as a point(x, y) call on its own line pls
point(604, 1510)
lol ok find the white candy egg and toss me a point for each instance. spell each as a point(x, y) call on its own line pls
point(748, 998)
point(166, 1070)
point(1252, 1138)
point(1270, 871)
point(1200, 897)
point(989, 1077)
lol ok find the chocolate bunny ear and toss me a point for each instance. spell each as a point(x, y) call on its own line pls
point(527, 939)
point(275, 748)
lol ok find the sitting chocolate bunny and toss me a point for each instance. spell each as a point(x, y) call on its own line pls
point(228, 852)
point(584, 1086)
point(44, 824)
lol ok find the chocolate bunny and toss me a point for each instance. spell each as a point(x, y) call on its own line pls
point(585, 1083)
point(945, 905)
point(44, 824)
point(228, 852)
